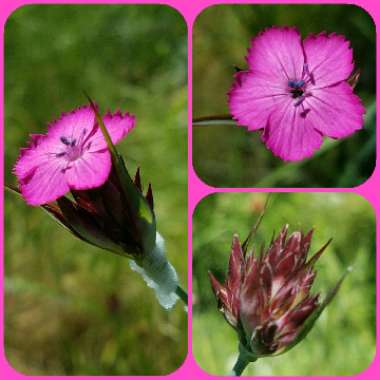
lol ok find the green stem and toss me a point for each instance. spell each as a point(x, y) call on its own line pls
point(245, 357)
point(240, 365)
point(181, 294)
point(213, 120)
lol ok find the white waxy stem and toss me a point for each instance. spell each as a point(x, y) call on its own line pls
point(158, 274)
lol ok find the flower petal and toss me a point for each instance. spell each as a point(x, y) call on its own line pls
point(253, 98)
point(73, 125)
point(44, 183)
point(277, 53)
point(289, 135)
point(118, 126)
point(335, 111)
point(329, 58)
point(38, 153)
point(89, 171)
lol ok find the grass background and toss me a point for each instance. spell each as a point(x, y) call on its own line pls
point(343, 340)
point(221, 36)
point(71, 308)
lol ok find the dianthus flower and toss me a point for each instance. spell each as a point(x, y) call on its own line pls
point(107, 208)
point(73, 155)
point(296, 91)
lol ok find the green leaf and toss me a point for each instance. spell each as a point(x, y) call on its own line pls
point(139, 208)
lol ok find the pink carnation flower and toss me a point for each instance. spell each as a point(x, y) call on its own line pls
point(72, 155)
point(296, 91)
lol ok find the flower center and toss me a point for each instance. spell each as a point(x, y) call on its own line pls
point(73, 148)
point(296, 88)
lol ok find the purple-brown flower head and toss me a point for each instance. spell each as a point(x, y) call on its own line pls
point(267, 297)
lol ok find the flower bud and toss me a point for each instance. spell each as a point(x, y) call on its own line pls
point(267, 297)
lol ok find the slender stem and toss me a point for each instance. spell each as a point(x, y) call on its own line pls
point(240, 365)
point(181, 294)
point(213, 120)
point(245, 357)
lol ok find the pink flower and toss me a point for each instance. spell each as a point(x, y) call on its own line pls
point(72, 155)
point(296, 91)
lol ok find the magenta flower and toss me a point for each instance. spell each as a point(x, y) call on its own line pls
point(296, 91)
point(73, 155)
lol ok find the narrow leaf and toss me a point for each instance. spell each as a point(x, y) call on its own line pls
point(103, 128)
point(317, 255)
point(253, 231)
point(138, 206)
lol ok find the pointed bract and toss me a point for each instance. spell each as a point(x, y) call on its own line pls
point(137, 179)
point(149, 197)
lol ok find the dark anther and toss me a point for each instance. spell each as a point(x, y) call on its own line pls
point(296, 92)
point(63, 170)
point(304, 113)
point(73, 142)
point(60, 154)
point(64, 140)
point(296, 83)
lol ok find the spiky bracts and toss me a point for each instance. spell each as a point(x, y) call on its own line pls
point(266, 296)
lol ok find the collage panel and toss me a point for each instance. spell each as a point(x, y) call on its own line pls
point(102, 301)
point(286, 93)
point(189, 224)
point(284, 284)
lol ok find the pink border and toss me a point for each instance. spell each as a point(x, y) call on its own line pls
point(197, 189)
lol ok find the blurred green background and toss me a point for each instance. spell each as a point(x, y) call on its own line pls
point(221, 37)
point(343, 340)
point(71, 308)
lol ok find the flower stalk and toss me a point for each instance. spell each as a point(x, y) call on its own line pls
point(213, 120)
point(182, 294)
point(244, 358)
